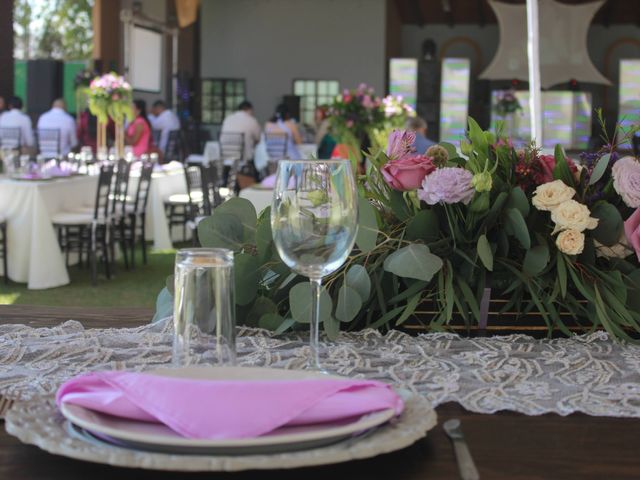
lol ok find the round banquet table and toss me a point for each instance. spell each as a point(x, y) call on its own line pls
point(34, 254)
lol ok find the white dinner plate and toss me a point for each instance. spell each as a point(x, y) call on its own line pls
point(158, 437)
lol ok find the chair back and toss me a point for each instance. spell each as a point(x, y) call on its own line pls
point(120, 186)
point(173, 149)
point(155, 136)
point(193, 177)
point(210, 193)
point(232, 146)
point(276, 143)
point(10, 138)
point(144, 184)
point(49, 142)
point(102, 195)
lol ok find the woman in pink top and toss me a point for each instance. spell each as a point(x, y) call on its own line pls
point(139, 131)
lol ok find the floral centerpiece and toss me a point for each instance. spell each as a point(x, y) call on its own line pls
point(506, 107)
point(543, 233)
point(110, 96)
point(359, 118)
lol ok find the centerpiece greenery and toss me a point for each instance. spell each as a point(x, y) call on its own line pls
point(543, 232)
point(111, 96)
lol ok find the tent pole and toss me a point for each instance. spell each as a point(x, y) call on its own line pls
point(535, 104)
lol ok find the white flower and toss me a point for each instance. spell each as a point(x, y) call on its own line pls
point(549, 195)
point(626, 180)
point(572, 215)
point(570, 242)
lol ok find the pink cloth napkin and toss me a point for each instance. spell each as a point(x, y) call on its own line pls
point(226, 409)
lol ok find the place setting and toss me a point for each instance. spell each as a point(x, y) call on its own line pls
point(202, 412)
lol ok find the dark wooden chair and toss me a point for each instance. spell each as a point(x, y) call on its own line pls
point(137, 214)
point(182, 208)
point(276, 143)
point(232, 156)
point(3, 248)
point(77, 229)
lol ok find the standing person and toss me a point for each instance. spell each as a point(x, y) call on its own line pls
point(165, 120)
point(139, 131)
point(14, 118)
point(243, 121)
point(281, 122)
point(419, 126)
point(58, 119)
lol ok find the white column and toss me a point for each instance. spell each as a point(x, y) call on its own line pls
point(535, 104)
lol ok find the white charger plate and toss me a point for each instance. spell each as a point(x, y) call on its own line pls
point(158, 437)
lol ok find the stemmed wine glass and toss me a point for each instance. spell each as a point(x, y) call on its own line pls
point(314, 220)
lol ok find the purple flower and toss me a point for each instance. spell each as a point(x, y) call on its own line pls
point(400, 143)
point(447, 185)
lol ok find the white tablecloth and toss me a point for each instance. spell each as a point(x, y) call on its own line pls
point(34, 254)
point(260, 197)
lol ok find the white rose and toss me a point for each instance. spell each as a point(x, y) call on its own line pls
point(570, 242)
point(549, 195)
point(572, 215)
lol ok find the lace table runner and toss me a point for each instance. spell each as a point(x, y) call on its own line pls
point(590, 374)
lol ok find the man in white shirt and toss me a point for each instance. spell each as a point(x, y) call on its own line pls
point(14, 118)
point(58, 119)
point(243, 121)
point(165, 120)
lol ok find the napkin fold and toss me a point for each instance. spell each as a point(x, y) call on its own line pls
point(212, 409)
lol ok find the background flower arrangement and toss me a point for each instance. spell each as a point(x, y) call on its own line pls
point(360, 119)
point(543, 233)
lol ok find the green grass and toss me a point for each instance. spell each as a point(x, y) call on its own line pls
point(133, 288)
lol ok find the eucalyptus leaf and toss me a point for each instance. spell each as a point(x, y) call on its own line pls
point(399, 205)
point(349, 304)
point(610, 223)
point(450, 148)
point(518, 199)
point(561, 268)
point(600, 168)
point(244, 211)
point(262, 306)
point(412, 304)
point(270, 321)
point(367, 236)
point(484, 252)
point(423, 226)
point(221, 231)
point(300, 303)
point(358, 278)
point(331, 328)
point(170, 283)
point(246, 277)
point(518, 227)
point(164, 305)
point(413, 261)
point(536, 259)
point(264, 239)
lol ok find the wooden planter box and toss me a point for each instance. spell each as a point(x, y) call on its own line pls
point(505, 323)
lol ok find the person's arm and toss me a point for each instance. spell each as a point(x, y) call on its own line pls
point(297, 138)
point(134, 138)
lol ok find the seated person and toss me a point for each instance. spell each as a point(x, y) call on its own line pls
point(139, 131)
point(58, 119)
point(165, 120)
point(281, 122)
point(243, 121)
point(14, 118)
point(419, 126)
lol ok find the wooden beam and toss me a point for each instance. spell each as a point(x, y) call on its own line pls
point(106, 35)
point(417, 12)
point(6, 48)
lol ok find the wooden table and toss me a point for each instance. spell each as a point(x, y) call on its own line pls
point(504, 446)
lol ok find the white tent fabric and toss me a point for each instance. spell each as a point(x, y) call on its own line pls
point(563, 43)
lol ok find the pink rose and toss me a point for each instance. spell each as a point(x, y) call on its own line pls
point(548, 163)
point(407, 172)
point(632, 231)
point(400, 143)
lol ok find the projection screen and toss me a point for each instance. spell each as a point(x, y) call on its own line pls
point(145, 68)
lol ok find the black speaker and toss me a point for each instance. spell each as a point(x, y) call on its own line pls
point(44, 84)
point(293, 104)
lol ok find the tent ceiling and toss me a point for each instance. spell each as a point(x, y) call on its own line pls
point(478, 12)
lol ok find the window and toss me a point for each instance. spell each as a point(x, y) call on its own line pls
point(313, 93)
point(221, 96)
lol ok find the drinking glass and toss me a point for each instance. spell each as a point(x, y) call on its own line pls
point(314, 220)
point(204, 307)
